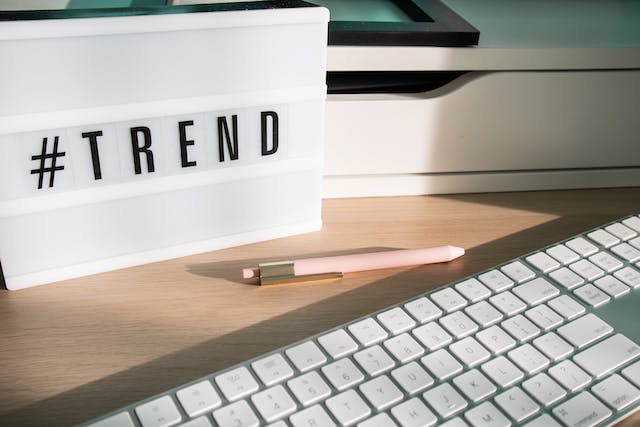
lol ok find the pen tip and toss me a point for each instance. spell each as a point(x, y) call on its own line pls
point(248, 273)
point(456, 252)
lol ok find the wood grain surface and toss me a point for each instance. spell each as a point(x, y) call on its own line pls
point(73, 350)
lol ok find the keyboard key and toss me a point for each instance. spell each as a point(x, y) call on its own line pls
point(237, 414)
point(448, 299)
point(423, 309)
point(520, 328)
point(203, 422)
point(412, 378)
point(469, 351)
point(483, 313)
point(607, 355)
point(616, 392)
point(396, 320)
point(198, 398)
point(158, 413)
point(621, 231)
point(518, 271)
point(592, 295)
point(445, 400)
point(368, 331)
point(583, 410)
point(606, 261)
point(585, 330)
point(543, 317)
point(496, 280)
point(432, 336)
point(313, 416)
point(374, 360)
point(627, 252)
point(309, 388)
point(603, 237)
point(458, 324)
point(455, 422)
point(413, 413)
point(566, 278)
point(273, 403)
point(474, 385)
point(380, 420)
point(517, 404)
point(543, 389)
point(567, 307)
point(338, 343)
point(552, 346)
point(381, 392)
point(563, 254)
point(508, 303)
point(236, 383)
point(629, 275)
point(544, 420)
point(612, 286)
point(441, 364)
point(404, 348)
point(502, 371)
point(632, 373)
point(473, 290)
point(633, 223)
point(343, 373)
point(306, 356)
point(527, 358)
point(122, 419)
point(272, 369)
point(486, 415)
point(348, 407)
point(543, 262)
point(582, 246)
point(496, 339)
point(587, 269)
point(569, 375)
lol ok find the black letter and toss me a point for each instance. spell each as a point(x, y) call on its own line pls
point(232, 145)
point(95, 156)
point(274, 131)
point(184, 142)
point(146, 132)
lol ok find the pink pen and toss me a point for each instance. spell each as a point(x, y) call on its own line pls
point(336, 266)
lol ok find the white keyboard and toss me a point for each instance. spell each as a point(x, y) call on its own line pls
point(548, 339)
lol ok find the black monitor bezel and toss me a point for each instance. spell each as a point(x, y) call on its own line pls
point(434, 24)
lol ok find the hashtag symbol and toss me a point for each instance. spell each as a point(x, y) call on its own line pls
point(51, 170)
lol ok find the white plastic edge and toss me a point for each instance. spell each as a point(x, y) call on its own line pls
point(164, 108)
point(80, 27)
point(84, 269)
point(430, 58)
point(455, 183)
point(154, 186)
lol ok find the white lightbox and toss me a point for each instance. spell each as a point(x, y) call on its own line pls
point(131, 139)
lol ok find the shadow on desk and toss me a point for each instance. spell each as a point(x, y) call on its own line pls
point(110, 393)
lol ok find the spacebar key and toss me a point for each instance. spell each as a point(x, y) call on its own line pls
point(607, 355)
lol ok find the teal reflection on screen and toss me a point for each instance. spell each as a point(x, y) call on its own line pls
point(364, 10)
point(96, 4)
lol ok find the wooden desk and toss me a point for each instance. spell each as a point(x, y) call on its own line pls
point(74, 350)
